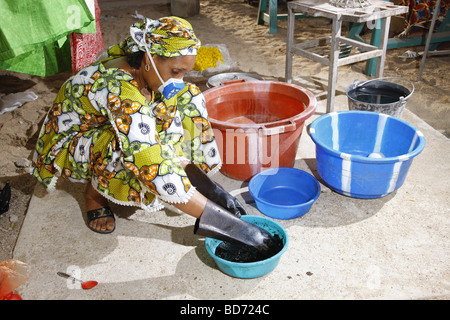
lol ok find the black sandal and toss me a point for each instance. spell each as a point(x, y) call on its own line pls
point(104, 212)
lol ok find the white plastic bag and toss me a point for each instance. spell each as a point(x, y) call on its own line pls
point(227, 65)
point(12, 101)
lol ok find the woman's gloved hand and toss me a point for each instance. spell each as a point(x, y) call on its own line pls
point(215, 222)
point(213, 191)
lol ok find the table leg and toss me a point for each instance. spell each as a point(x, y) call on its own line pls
point(430, 34)
point(384, 38)
point(371, 65)
point(333, 67)
point(289, 44)
point(273, 16)
point(262, 8)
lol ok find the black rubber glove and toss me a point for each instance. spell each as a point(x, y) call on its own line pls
point(215, 222)
point(213, 191)
point(5, 197)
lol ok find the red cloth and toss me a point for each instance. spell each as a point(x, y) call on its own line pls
point(86, 46)
point(421, 12)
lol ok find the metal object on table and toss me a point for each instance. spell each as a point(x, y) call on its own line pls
point(322, 8)
point(217, 79)
point(351, 3)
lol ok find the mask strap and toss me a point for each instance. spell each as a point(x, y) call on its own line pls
point(154, 66)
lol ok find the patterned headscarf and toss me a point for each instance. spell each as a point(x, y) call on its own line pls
point(168, 37)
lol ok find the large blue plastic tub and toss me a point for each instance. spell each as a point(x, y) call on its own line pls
point(364, 154)
point(248, 270)
point(284, 193)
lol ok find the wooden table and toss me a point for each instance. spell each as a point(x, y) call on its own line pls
point(321, 8)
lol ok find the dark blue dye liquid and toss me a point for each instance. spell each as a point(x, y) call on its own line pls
point(378, 95)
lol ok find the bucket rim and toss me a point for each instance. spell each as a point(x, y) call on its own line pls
point(402, 99)
point(304, 115)
point(357, 158)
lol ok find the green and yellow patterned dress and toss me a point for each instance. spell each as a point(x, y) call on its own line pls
point(102, 130)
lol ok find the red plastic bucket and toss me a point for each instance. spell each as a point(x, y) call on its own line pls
point(257, 125)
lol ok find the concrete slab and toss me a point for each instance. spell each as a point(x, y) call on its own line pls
point(396, 247)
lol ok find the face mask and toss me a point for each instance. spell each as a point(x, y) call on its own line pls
point(169, 88)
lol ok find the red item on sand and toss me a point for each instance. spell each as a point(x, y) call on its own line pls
point(13, 274)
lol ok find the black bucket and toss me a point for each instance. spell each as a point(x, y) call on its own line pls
point(379, 96)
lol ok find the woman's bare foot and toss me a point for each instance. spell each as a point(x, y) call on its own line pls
point(94, 200)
